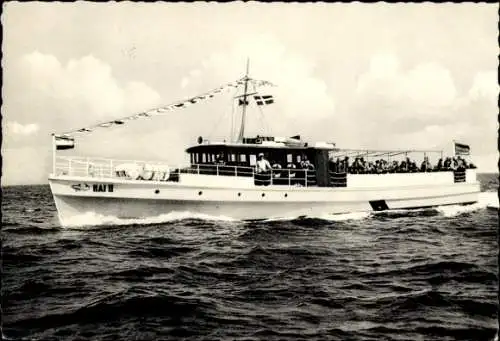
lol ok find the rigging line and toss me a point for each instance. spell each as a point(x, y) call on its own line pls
point(264, 123)
point(219, 121)
point(289, 124)
point(267, 126)
point(231, 133)
point(293, 129)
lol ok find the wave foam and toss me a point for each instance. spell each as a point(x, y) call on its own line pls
point(94, 219)
point(326, 216)
point(485, 199)
point(345, 216)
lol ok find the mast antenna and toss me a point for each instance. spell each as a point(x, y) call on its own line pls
point(244, 104)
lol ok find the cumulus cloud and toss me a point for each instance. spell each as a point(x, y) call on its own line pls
point(396, 107)
point(184, 82)
point(420, 107)
point(485, 85)
point(20, 129)
point(57, 96)
point(299, 94)
point(62, 95)
point(193, 76)
point(427, 85)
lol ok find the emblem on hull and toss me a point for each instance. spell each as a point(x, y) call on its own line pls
point(80, 187)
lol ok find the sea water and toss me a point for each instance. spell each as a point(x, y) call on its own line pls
point(428, 274)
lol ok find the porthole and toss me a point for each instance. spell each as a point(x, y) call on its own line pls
point(286, 194)
point(263, 194)
point(239, 194)
point(200, 193)
point(157, 191)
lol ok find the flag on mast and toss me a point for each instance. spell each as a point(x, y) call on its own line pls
point(242, 102)
point(264, 100)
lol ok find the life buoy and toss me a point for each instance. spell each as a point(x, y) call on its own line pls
point(276, 170)
point(129, 170)
point(161, 172)
point(148, 172)
point(166, 174)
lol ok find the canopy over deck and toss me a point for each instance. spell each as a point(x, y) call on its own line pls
point(341, 152)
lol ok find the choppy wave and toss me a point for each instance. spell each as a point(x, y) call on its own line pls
point(395, 275)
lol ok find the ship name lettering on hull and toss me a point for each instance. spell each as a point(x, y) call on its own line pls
point(102, 188)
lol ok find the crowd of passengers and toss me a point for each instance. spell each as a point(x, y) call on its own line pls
point(360, 166)
point(382, 166)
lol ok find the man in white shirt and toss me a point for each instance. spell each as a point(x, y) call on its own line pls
point(263, 165)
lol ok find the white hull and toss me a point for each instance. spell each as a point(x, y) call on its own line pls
point(241, 199)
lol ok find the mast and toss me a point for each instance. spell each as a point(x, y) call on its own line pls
point(244, 104)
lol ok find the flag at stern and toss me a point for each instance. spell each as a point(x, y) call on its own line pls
point(462, 149)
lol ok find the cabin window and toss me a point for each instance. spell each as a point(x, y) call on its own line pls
point(233, 157)
point(243, 158)
point(253, 160)
point(203, 158)
point(191, 156)
point(196, 158)
point(299, 159)
point(289, 158)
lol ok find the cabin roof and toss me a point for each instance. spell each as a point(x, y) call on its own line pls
point(223, 146)
point(245, 146)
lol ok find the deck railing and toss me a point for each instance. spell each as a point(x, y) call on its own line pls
point(160, 171)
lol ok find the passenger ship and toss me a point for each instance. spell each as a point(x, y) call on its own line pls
point(222, 180)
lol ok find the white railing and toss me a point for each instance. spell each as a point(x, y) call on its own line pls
point(160, 171)
point(287, 176)
point(103, 168)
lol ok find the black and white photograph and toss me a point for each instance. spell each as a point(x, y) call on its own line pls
point(249, 171)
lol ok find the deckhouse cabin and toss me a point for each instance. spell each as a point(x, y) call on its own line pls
point(286, 156)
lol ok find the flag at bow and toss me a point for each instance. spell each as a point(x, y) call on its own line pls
point(64, 142)
point(462, 149)
point(264, 100)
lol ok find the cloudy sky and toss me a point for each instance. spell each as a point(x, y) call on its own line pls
point(364, 76)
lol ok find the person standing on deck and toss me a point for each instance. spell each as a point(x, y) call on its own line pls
point(263, 165)
point(263, 170)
